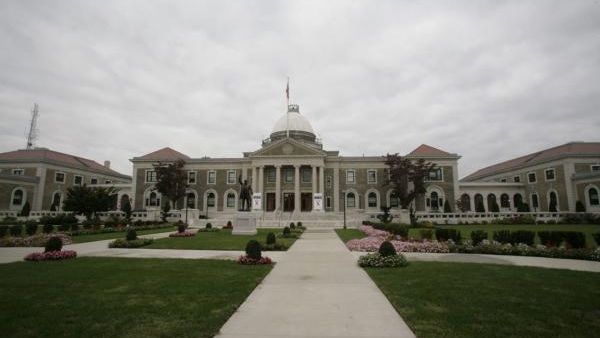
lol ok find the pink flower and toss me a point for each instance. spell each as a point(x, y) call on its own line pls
point(51, 255)
point(183, 234)
point(245, 260)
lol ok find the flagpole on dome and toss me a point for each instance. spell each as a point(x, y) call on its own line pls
point(287, 108)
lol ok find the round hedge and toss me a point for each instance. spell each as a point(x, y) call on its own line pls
point(253, 249)
point(53, 244)
point(387, 249)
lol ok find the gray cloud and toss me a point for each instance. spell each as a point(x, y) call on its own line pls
point(114, 79)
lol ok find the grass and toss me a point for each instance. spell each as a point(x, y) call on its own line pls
point(221, 240)
point(348, 234)
point(120, 297)
point(114, 235)
point(478, 300)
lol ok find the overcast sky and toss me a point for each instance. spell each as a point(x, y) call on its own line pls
point(488, 80)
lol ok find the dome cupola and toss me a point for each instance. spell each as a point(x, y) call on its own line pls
point(294, 125)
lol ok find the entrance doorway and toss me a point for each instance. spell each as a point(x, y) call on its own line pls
point(305, 201)
point(270, 201)
point(288, 201)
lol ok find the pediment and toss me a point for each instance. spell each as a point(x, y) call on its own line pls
point(288, 147)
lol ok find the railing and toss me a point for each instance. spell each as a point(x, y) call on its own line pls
point(453, 218)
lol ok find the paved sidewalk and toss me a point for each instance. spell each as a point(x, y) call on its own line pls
point(540, 262)
point(316, 290)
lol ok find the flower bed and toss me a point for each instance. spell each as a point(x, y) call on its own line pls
point(245, 260)
point(136, 243)
point(118, 229)
point(209, 229)
point(35, 240)
point(51, 256)
point(183, 234)
point(376, 260)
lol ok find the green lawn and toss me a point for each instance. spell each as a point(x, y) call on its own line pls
point(221, 240)
point(348, 234)
point(113, 235)
point(477, 300)
point(121, 297)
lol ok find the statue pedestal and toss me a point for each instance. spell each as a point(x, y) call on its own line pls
point(245, 223)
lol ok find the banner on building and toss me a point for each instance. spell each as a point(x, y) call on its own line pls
point(257, 201)
point(318, 202)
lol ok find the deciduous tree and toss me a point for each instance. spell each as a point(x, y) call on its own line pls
point(171, 180)
point(407, 177)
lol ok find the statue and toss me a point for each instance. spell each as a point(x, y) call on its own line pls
point(245, 195)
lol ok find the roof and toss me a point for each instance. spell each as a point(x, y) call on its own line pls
point(293, 120)
point(164, 154)
point(427, 150)
point(572, 149)
point(54, 157)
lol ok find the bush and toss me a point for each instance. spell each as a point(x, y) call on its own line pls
point(53, 244)
point(270, 238)
point(75, 227)
point(574, 239)
point(208, 226)
point(26, 209)
point(3, 230)
point(376, 260)
point(31, 228)
point(579, 207)
point(122, 243)
point(253, 249)
point(522, 236)
point(286, 232)
point(596, 237)
point(180, 227)
point(551, 238)
point(16, 230)
point(387, 249)
point(426, 234)
point(228, 226)
point(48, 228)
point(64, 227)
point(477, 236)
point(292, 226)
point(299, 225)
point(398, 230)
point(502, 236)
point(443, 235)
point(447, 208)
point(131, 235)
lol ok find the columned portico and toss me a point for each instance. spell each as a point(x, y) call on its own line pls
point(296, 188)
point(277, 187)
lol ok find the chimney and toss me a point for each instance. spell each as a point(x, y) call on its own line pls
point(107, 164)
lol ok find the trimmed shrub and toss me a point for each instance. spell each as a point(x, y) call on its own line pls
point(299, 225)
point(26, 209)
point(443, 235)
point(3, 230)
point(292, 226)
point(180, 228)
point(271, 238)
point(574, 239)
point(447, 208)
point(502, 236)
point(131, 235)
point(397, 229)
point(74, 227)
point(123, 243)
point(387, 249)
point(579, 207)
point(48, 228)
point(522, 236)
point(551, 238)
point(16, 230)
point(426, 234)
point(596, 238)
point(64, 227)
point(376, 260)
point(208, 226)
point(253, 249)
point(228, 226)
point(31, 228)
point(477, 236)
point(286, 232)
point(53, 244)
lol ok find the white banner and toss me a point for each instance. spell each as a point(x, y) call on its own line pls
point(257, 201)
point(318, 202)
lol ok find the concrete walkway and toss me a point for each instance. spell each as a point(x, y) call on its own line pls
point(316, 290)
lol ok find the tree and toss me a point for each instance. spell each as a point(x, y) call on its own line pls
point(171, 180)
point(579, 207)
point(402, 172)
point(164, 213)
point(126, 208)
point(26, 209)
point(83, 200)
point(447, 208)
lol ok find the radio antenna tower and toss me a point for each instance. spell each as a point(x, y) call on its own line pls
point(33, 132)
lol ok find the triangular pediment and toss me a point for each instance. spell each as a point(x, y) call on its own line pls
point(288, 147)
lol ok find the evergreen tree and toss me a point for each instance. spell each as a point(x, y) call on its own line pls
point(447, 208)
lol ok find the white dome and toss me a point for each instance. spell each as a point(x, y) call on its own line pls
point(293, 121)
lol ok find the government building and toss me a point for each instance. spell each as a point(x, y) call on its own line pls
point(292, 168)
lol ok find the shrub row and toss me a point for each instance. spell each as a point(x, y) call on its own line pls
point(393, 228)
point(572, 239)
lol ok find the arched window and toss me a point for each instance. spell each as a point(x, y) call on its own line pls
point(593, 197)
point(479, 207)
point(350, 200)
point(56, 197)
point(124, 201)
point(504, 201)
point(231, 200)
point(394, 201)
point(552, 202)
point(190, 199)
point(491, 202)
point(517, 200)
point(210, 200)
point(372, 200)
point(465, 202)
point(153, 200)
point(534, 201)
point(17, 198)
point(434, 200)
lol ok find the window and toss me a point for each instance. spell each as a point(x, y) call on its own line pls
point(94, 180)
point(436, 175)
point(503, 180)
point(350, 200)
point(210, 200)
point(434, 201)
point(531, 178)
point(18, 172)
point(107, 182)
point(550, 174)
point(552, 202)
point(271, 175)
point(153, 200)
point(150, 176)
point(78, 180)
point(306, 175)
point(465, 202)
point(328, 202)
point(212, 177)
point(288, 175)
point(517, 179)
point(350, 176)
point(59, 177)
point(595, 167)
point(231, 177)
point(372, 200)
point(191, 177)
point(504, 201)
point(329, 181)
point(372, 176)
point(394, 201)
point(190, 200)
point(17, 198)
point(231, 200)
point(593, 197)
point(534, 201)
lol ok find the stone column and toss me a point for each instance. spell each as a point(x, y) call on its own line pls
point(314, 179)
point(254, 185)
point(322, 180)
point(261, 176)
point(336, 189)
point(296, 188)
point(277, 187)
